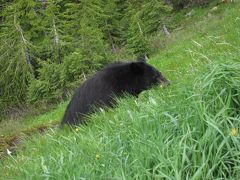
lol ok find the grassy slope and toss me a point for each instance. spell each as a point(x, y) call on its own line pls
point(170, 132)
point(14, 127)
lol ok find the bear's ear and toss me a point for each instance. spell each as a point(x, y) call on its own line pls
point(142, 58)
point(137, 67)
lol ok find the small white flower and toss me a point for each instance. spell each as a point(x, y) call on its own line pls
point(9, 152)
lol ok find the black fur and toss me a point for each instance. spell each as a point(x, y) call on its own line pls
point(108, 83)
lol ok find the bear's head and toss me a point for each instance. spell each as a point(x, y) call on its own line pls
point(147, 76)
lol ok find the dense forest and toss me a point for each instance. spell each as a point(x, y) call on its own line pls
point(47, 47)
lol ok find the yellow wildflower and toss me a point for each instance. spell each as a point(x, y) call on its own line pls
point(234, 132)
point(77, 129)
point(97, 157)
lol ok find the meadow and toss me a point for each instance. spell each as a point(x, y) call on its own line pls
point(188, 130)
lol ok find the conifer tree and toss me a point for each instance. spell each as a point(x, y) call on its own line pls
point(51, 41)
point(145, 18)
point(15, 58)
point(137, 40)
point(84, 21)
point(112, 23)
point(152, 14)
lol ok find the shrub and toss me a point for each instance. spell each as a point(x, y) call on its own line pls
point(49, 85)
point(55, 81)
point(74, 66)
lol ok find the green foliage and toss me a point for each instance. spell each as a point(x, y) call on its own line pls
point(92, 46)
point(33, 32)
point(55, 80)
point(49, 85)
point(146, 18)
point(137, 41)
point(15, 59)
point(152, 15)
point(74, 66)
point(46, 32)
point(112, 24)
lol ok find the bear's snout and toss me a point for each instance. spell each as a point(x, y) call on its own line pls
point(163, 82)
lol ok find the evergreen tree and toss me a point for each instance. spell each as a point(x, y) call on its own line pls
point(15, 58)
point(83, 30)
point(145, 18)
point(136, 36)
point(137, 40)
point(51, 41)
point(112, 23)
point(83, 47)
point(152, 14)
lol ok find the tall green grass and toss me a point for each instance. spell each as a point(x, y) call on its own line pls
point(188, 130)
point(179, 134)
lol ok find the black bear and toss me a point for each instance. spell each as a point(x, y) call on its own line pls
point(108, 83)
